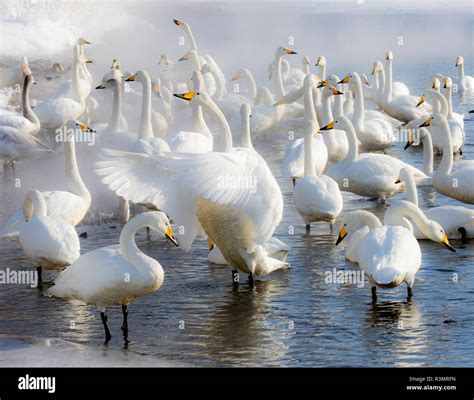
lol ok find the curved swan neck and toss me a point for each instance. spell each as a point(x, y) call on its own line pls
point(309, 169)
point(188, 32)
point(446, 164)
point(410, 187)
point(339, 104)
point(443, 103)
point(225, 125)
point(327, 111)
point(39, 205)
point(73, 178)
point(131, 253)
point(115, 125)
point(146, 130)
point(220, 85)
point(427, 151)
point(353, 151)
point(448, 94)
point(251, 85)
point(359, 109)
point(245, 136)
point(404, 209)
point(386, 97)
point(25, 101)
point(279, 88)
point(199, 124)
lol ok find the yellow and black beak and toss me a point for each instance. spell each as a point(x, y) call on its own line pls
point(169, 235)
point(445, 84)
point(323, 83)
point(101, 86)
point(335, 91)
point(342, 235)
point(84, 127)
point(85, 41)
point(328, 126)
point(317, 62)
point(210, 245)
point(114, 64)
point(186, 96)
point(344, 80)
point(410, 141)
point(426, 123)
point(445, 242)
point(288, 51)
point(433, 86)
point(374, 70)
point(87, 60)
point(420, 101)
point(185, 57)
point(366, 81)
point(178, 22)
point(236, 77)
point(131, 78)
point(398, 181)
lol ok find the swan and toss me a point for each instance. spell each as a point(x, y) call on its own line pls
point(440, 105)
point(401, 107)
point(451, 218)
point(12, 76)
point(294, 158)
point(389, 255)
point(367, 89)
point(234, 215)
point(55, 113)
point(448, 93)
point(246, 76)
point(264, 117)
point(66, 89)
point(458, 184)
point(424, 138)
point(70, 206)
point(398, 88)
point(28, 122)
point(200, 140)
point(316, 198)
point(115, 275)
point(466, 82)
point(370, 175)
point(374, 134)
point(196, 65)
point(52, 243)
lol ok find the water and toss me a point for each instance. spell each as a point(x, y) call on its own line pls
point(290, 318)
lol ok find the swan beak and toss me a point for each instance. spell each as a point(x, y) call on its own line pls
point(398, 181)
point(342, 235)
point(131, 78)
point(445, 242)
point(101, 86)
point(426, 123)
point(186, 96)
point(210, 245)
point(335, 91)
point(317, 62)
point(288, 51)
point(236, 77)
point(344, 80)
point(85, 41)
point(185, 57)
point(409, 143)
point(178, 22)
point(323, 83)
point(88, 60)
point(445, 84)
point(85, 128)
point(169, 235)
point(375, 69)
point(366, 81)
point(115, 64)
point(421, 101)
point(328, 126)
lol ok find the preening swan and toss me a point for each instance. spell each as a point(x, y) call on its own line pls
point(389, 255)
point(370, 175)
point(115, 275)
point(316, 198)
point(466, 82)
point(51, 243)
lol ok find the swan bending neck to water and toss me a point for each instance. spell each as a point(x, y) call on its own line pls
point(97, 277)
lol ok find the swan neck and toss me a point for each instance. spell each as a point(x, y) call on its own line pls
point(353, 151)
point(25, 103)
point(339, 104)
point(309, 169)
point(76, 91)
point(252, 87)
point(389, 80)
point(359, 108)
point(39, 206)
point(114, 125)
point(427, 152)
point(188, 32)
point(446, 164)
point(327, 112)
point(225, 125)
point(279, 88)
point(73, 178)
point(146, 129)
point(199, 124)
point(309, 110)
point(245, 136)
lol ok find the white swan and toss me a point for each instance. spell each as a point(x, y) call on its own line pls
point(375, 133)
point(294, 158)
point(236, 214)
point(71, 205)
point(389, 255)
point(196, 65)
point(12, 76)
point(401, 107)
point(316, 198)
point(370, 175)
point(28, 122)
point(422, 135)
point(66, 89)
point(448, 93)
point(115, 275)
point(51, 243)
point(398, 88)
point(466, 82)
point(458, 184)
point(451, 218)
point(55, 113)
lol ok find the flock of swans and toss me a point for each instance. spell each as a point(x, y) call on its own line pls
point(209, 179)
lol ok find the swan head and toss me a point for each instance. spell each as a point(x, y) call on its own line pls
point(354, 220)
point(448, 83)
point(180, 23)
point(435, 84)
point(421, 100)
point(139, 76)
point(366, 80)
point(237, 75)
point(73, 125)
point(115, 64)
point(378, 67)
point(389, 55)
point(159, 222)
point(331, 90)
point(306, 60)
point(185, 57)
point(201, 98)
point(283, 51)
point(459, 61)
point(81, 41)
point(435, 120)
point(342, 122)
point(436, 233)
point(112, 83)
point(321, 62)
point(351, 77)
point(32, 200)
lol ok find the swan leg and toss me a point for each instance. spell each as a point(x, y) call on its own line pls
point(251, 281)
point(108, 336)
point(410, 292)
point(125, 322)
point(331, 227)
point(39, 273)
point(148, 233)
point(235, 277)
point(294, 182)
point(12, 167)
point(308, 228)
point(463, 233)
point(374, 293)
